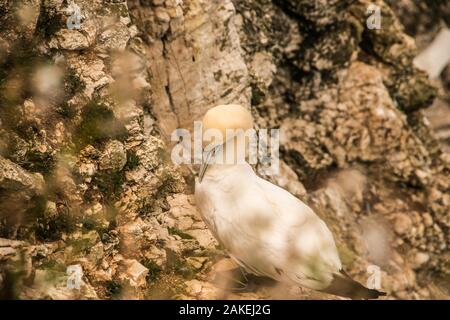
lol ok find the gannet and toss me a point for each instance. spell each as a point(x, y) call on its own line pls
point(266, 230)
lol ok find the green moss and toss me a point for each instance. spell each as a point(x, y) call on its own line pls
point(38, 209)
point(49, 21)
point(53, 265)
point(179, 266)
point(147, 206)
point(39, 162)
point(132, 160)
point(111, 213)
point(79, 246)
point(10, 288)
point(257, 96)
point(212, 253)
point(23, 59)
point(113, 289)
point(82, 244)
point(98, 124)
point(94, 224)
point(411, 90)
point(51, 228)
point(178, 232)
point(120, 9)
point(154, 271)
point(65, 111)
point(169, 183)
point(110, 184)
point(101, 223)
point(168, 286)
point(72, 83)
point(89, 223)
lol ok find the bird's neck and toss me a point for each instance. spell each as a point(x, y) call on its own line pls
point(226, 158)
point(229, 166)
point(224, 169)
point(233, 152)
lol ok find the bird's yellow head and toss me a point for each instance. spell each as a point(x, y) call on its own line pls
point(227, 117)
point(226, 134)
point(226, 124)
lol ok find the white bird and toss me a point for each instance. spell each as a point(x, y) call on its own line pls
point(265, 229)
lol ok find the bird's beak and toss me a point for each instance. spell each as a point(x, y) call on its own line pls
point(209, 156)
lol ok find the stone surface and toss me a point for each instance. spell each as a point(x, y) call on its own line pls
point(134, 273)
point(114, 157)
point(87, 114)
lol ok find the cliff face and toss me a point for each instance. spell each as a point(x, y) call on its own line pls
point(86, 115)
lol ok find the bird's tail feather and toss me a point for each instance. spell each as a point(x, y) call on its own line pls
point(342, 285)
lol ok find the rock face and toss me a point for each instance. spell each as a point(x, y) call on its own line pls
point(86, 116)
point(194, 58)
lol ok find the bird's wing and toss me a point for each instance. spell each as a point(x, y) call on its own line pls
point(294, 210)
point(237, 221)
point(301, 240)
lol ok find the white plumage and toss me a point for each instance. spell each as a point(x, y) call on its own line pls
point(267, 230)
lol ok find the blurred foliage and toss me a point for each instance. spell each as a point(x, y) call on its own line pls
point(98, 124)
point(113, 289)
point(154, 270)
point(132, 161)
point(110, 183)
point(49, 21)
point(178, 232)
point(51, 228)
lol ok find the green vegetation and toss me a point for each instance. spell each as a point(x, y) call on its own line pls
point(257, 96)
point(154, 271)
point(169, 184)
point(179, 266)
point(132, 161)
point(168, 286)
point(110, 183)
point(72, 85)
point(65, 111)
point(83, 244)
point(39, 162)
point(98, 124)
point(49, 22)
point(53, 265)
point(50, 228)
point(113, 289)
point(178, 232)
point(91, 223)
